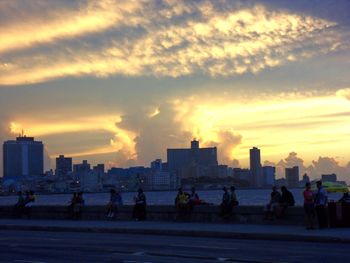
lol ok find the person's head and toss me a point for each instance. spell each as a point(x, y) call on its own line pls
point(224, 189)
point(140, 191)
point(274, 188)
point(283, 189)
point(193, 190)
point(346, 194)
point(319, 184)
point(112, 191)
point(180, 191)
point(75, 194)
point(232, 188)
point(31, 192)
point(80, 194)
point(308, 186)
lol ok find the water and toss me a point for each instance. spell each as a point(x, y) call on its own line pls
point(245, 197)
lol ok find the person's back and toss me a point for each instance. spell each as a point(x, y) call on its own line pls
point(287, 198)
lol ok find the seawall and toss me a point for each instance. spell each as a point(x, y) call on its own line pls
point(203, 214)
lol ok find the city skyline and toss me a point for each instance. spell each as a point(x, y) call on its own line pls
point(118, 84)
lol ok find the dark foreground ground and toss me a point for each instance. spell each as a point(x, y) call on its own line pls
point(52, 247)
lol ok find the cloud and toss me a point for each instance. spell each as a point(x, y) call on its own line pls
point(166, 38)
point(344, 93)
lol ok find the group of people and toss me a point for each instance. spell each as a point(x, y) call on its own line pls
point(279, 202)
point(229, 201)
point(184, 202)
point(24, 204)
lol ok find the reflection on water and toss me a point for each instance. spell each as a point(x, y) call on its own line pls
point(245, 197)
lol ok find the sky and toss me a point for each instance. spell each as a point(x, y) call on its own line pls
point(120, 81)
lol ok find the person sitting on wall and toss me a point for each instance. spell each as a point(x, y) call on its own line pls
point(226, 204)
point(182, 203)
point(139, 211)
point(114, 202)
point(19, 206)
point(28, 202)
point(71, 205)
point(287, 199)
point(78, 207)
point(271, 208)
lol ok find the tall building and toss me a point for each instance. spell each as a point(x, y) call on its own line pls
point(63, 165)
point(292, 176)
point(269, 175)
point(329, 178)
point(255, 167)
point(192, 162)
point(157, 165)
point(23, 157)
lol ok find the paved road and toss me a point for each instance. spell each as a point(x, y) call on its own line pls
point(52, 247)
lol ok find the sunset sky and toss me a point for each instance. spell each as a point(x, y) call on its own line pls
point(118, 81)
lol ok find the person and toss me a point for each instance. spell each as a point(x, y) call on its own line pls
point(193, 197)
point(225, 205)
point(345, 198)
point(78, 207)
point(309, 206)
point(182, 203)
point(139, 211)
point(28, 202)
point(321, 200)
point(114, 201)
point(234, 201)
point(287, 199)
point(72, 204)
point(18, 208)
point(271, 207)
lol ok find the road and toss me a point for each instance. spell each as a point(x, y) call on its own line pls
point(54, 247)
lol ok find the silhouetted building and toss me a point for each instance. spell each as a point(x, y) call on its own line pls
point(81, 167)
point(63, 165)
point(242, 174)
point(269, 175)
point(329, 178)
point(292, 176)
point(193, 162)
point(99, 168)
point(255, 167)
point(157, 165)
point(23, 157)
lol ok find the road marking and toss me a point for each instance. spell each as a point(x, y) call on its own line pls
point(140, 253)
point(27, 261)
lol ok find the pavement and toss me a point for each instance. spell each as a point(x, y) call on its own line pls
point(72, 247)
point(233, 231)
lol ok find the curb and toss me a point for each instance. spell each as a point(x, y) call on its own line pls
point(184, 233)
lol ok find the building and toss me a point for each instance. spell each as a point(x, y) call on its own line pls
point(63, 165)
point(242, 174)
point(193, 162)
point(157, 165)
point(99, 168)
point(269, 175)
point(292, 176)
point(255, 167)
point(329, 178)
point(23, 157)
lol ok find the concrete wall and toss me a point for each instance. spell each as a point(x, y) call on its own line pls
point(204, 214)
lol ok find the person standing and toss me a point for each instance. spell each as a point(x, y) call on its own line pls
point(321, 200)
point(139, 211)
point(225, 206)
point(114, 202)
point(309, 206)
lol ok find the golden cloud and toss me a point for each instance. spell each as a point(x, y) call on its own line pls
point(219, 43)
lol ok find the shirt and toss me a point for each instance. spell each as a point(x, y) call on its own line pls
point(321, 197)
point(308, 197)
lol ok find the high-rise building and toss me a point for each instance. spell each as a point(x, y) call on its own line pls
point(269, 175)
point(23, 157)
point(63, 165)
point(306, 179)
point(329, 177)
point(157, 165)
point(255, 167)
point(292, 176)
point(193, 162)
